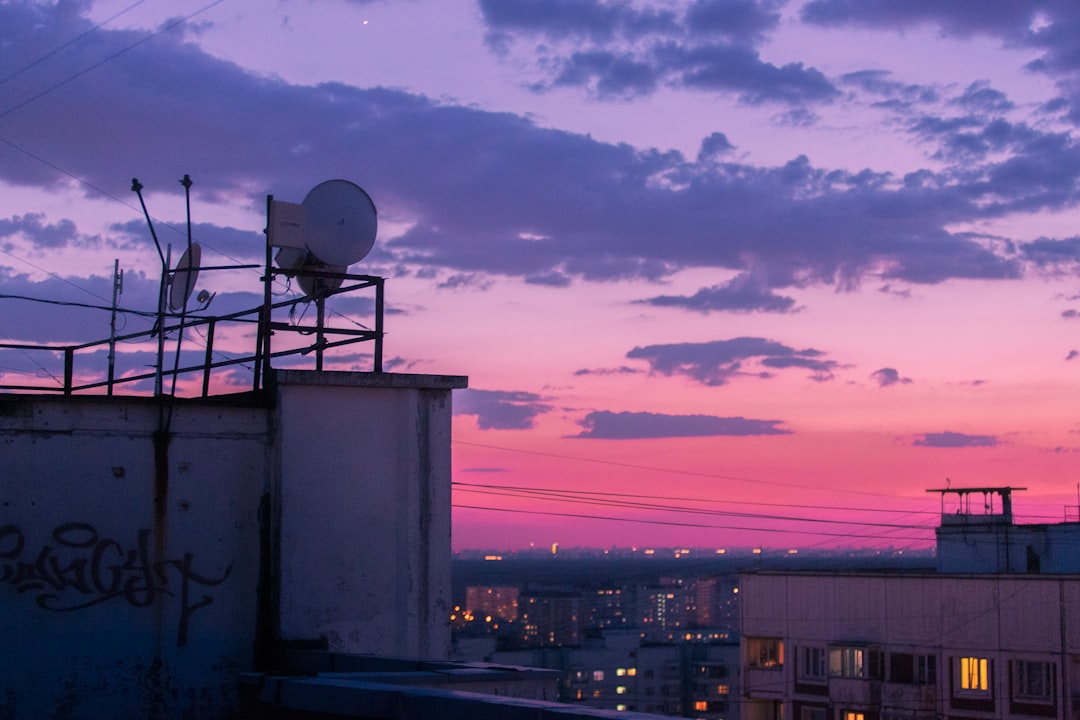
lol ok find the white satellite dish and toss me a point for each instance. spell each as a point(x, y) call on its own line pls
point(184, 277)
point(340, 223)
point(293, 259)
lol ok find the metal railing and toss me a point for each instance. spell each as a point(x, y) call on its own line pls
point(326, 337)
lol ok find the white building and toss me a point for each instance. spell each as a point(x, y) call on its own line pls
point(993, 633)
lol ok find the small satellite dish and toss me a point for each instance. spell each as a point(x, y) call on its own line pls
point(293, 259)
point(184, 277)
point(340, 223)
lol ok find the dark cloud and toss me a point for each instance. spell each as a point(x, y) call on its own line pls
point(221, 245)
point(743, 293)
point(717, 362)
point(715, 145)
point(735, 20)
point(980, 97)
point(607, 425)
point(617, 50)
point(559, 19)
point(584, 210)
point(500, 410)
point(740, 70)
point(1073, 354)
point(1050, 253)
point(609, 75)
point(955, 440)
point(886, 377)
point(1050, 28)
point(42, 234)
point(608, 371)
point(894, 94)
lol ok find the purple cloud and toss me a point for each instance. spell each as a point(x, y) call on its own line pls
point(955, 440)
point(500, 410)
point(887, 376)
point(605, 425)
point(717, 362)
point(743, 293)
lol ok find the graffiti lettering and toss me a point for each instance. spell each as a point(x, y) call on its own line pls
point(82, 569)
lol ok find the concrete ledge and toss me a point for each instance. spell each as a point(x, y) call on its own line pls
point(303, 698)
point(370, 379)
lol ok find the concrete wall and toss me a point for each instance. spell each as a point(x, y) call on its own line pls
point(365, 511)
point(141, 571)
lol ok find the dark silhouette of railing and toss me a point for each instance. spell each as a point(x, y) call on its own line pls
point(261, 317)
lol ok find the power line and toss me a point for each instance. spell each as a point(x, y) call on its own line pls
point(109, 58)
point(69, 43)
point(552, 497)
point(672, 471)
point(695, 499)
point(659, 522)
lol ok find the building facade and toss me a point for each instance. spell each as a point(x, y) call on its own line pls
point(975, 645)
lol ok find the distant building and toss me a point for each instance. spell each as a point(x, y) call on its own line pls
point(620, 671)
point(498, 603)
point(551, 617)
point(993, 632)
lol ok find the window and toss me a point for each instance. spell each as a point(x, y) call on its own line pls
point(620, 690)
point(854, 716)
point(701, 705)
point(598, 675)
point(812, 664)
point(909, 669)
point(848, 662)
point(925, 669)
point(765, 652)
point(974, 675)
point(723, 689)
point(1033, 681)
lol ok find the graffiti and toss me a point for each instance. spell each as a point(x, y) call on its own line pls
point(83, 569)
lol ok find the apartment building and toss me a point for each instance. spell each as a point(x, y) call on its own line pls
point(992, 632)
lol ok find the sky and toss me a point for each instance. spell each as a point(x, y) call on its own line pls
point(721, 273)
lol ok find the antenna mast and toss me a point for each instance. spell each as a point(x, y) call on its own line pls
point(117, 290)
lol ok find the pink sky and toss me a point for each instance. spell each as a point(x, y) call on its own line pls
point(818, 256)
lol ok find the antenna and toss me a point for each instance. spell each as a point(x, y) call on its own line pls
point(184, 277)
point(341, 223)
point(333, 228)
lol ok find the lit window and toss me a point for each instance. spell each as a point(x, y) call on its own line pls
point(598, 675)
point(1033, 681)
point(620, 707)
point(765, 652)
point(701, 705)
point(723, 689)
point(620, 690)
point(975, 674)
point(812, 664)
point(854, 716)
point(619, 672)
point(632, 672)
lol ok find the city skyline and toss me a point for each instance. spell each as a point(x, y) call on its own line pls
point(725, 273)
